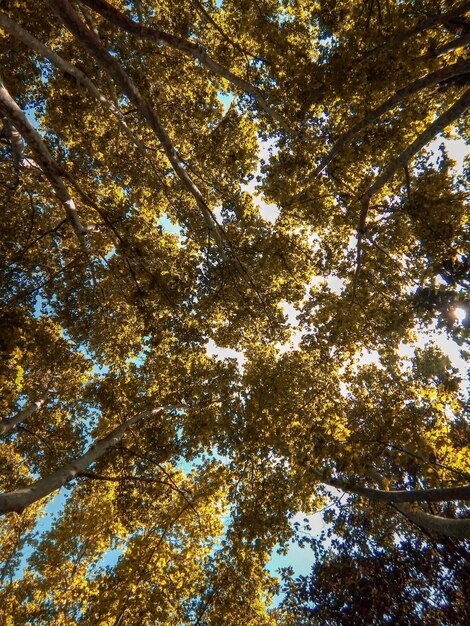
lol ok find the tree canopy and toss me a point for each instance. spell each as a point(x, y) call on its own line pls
point(222, 222)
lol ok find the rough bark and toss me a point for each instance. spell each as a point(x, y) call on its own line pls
point(18, 500)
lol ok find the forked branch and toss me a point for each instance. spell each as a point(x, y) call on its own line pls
point(400, 499)
point(433, 78)
point(440, 123)
point(448, 117)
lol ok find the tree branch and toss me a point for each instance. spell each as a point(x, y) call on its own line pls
point(456, 528)
point(439, 494)
point(433, 78)
point(111, 66)
point(160, 37)
point(451, 115)
point(428, 22)
point(25, 37)
point(117, 479)
point(6, 425)
point(442, 494)
point(452, 45)
point(18, 500)
point(10, 133)
point(51, 170)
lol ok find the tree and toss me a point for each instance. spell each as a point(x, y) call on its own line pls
point(381, 582)
point(131, 132)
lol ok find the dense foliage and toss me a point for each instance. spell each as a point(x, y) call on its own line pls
point(194, 363)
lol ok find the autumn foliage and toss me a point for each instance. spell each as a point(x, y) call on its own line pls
point(224, 226)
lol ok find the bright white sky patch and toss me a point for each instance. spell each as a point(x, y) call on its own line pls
point(334, 284)
point(269, 212)
point(369, 357)
point(218, 214)
point(457, 150)
point(460, 315)
point(290, 312)
point(213, 349)
point(447, 345)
